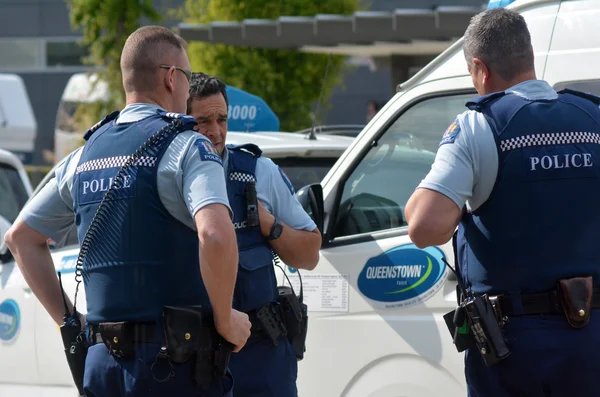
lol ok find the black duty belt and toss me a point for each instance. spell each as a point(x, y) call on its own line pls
point(539, 303)
point(124, 332)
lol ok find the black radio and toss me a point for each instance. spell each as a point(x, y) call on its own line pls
point(476, 323)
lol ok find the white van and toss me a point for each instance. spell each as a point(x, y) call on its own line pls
point(375, 301)
point(81, 89)
point(18, 127)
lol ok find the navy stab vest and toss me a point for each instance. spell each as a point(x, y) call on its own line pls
point(256, 284)
point(541, 222)
point(140, 257)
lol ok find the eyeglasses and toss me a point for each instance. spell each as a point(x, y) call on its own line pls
point(188, 73)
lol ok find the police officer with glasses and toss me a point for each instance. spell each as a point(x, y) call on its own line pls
point(150, 204)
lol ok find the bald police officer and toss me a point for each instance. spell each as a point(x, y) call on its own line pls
point(174, 246)
point(518, 173)
point(283, 226)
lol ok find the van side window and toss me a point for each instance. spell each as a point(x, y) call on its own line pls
point(13, 194)
point(591, 86)
point(375, 194)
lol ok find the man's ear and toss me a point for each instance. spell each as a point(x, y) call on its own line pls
point(170, 79)
point(482, 68)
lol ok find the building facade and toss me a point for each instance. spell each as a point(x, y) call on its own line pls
point(38, 43)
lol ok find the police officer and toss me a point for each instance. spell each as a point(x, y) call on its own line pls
point(260, 369)
point(518, 173)
point(165, 237)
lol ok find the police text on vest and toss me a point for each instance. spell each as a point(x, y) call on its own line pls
point(576, 160)
point(103, 184)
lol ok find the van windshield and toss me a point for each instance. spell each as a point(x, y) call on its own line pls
point(70, 117)
point(302, 171)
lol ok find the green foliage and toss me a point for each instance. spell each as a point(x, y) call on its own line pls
point(105, 25)
point(289, 81)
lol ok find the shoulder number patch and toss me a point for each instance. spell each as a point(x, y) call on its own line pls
point(287, 181)
point(207, 151)
point(451, 133)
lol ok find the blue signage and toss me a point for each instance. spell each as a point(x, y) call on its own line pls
point(249, 113)
point(10, 320)
point(68, 264)
point(499, 3)
point(403, 276)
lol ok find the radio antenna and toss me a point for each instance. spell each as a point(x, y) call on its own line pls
point(312, 135)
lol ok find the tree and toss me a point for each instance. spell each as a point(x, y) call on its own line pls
point(106, 24)
point(289, 81)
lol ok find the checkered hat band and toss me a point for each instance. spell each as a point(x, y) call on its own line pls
point(241, 177)
point(115, 162)
point(559, 138)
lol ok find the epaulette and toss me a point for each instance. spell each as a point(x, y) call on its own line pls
point(99, 124)
point(581, 94)
point(247, 147)
point(177, 116)
point(477, 103)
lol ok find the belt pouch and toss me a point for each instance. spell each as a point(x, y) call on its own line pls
point(116, 336)
point(299, 341)
point(575, 295)
point(183, 331)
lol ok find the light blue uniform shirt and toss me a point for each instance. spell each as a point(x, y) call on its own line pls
point(185, 183)
point(465, 170)
point(276, 196)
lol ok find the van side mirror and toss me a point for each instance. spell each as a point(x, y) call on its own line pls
point(5, 254)
point(311, 199)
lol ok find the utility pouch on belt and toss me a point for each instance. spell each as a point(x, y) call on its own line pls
point(271, 322)
point(295, 318)
point(575, 295)
point(456, 321)
point(74, 342)
point(299, 341)
point(483, 324)
point(76, 348)
point(214, 353)
point(183, 328)
point(190, 332)
point(117, 338)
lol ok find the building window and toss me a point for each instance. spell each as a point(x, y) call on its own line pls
point(64, 53)
point(21, 53)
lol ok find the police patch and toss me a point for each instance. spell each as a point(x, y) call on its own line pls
point(451, 133)
point(207, 151)
point(287, 181)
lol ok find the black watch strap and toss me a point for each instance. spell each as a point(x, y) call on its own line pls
point(276, 230)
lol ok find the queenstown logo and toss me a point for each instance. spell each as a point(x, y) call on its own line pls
point(10, 319)
point(402, 277)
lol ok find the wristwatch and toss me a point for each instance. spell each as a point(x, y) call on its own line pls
point(276, 230)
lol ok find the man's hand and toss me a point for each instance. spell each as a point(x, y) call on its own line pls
point(236, 329)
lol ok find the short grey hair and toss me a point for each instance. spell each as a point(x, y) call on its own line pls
point(143, 52)
point(500, 38)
